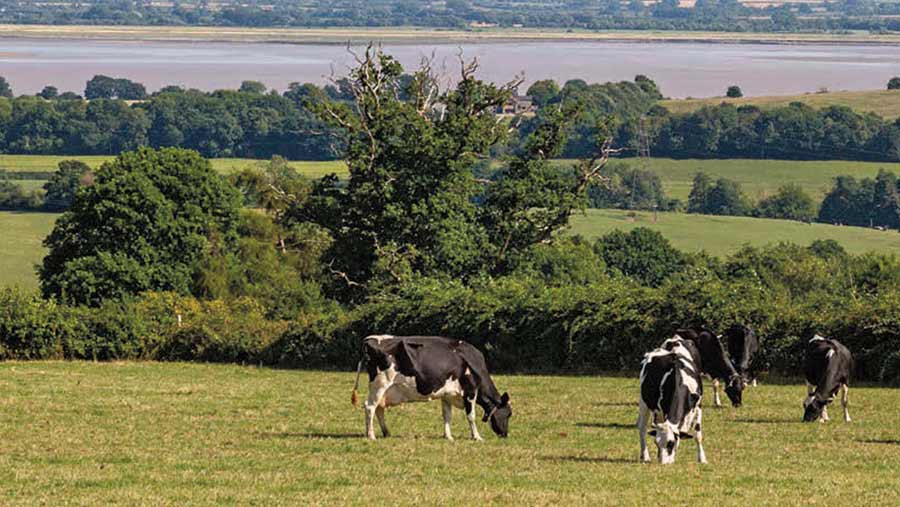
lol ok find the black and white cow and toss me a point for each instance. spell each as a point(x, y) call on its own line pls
point(716, 364)
point(828, 368)
point(422, 368)
point(743, 345)
point(671, 392)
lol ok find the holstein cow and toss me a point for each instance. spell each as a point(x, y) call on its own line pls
point(671, 390)
point(742, 346)
point(828, 368)
point(422, 368)
point(715, 363)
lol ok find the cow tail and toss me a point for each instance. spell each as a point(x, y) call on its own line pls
point(354, 398)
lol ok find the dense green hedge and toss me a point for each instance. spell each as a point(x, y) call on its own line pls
point(522, 324)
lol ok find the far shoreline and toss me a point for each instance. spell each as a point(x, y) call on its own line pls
point(415, 36)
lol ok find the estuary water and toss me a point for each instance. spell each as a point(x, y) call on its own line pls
point(680, 69)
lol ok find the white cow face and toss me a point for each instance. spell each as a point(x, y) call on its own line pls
point(667, 438)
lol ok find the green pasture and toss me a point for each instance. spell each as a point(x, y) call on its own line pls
point(174, 434)
point(49, 163)
point(885, 103)
point(759, 178)
point(21, 234)
point(721, 235)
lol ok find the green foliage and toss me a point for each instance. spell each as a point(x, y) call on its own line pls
point(789, 203)
point(626, 187)
point(734, 92)
point(49, 92)
point(544, 92)
point(5, 89)
point(147, 221)
point(894, 83)
point(105, 87)
point(412, 204)
point(865, 202)
point(14, 197)
point(252, 87)
point(724, 197)
point(59, 191)
point(642, 254)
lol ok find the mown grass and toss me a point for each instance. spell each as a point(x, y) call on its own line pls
point(885, 103)
point(721, 235)
point(189, 434)
point(759, 178)
point(50, 163)
point(21, 235)
point(21, 250)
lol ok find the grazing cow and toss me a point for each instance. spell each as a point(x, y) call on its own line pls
point(715, 363)
point(828, 368)
point(671, 391)
point(742, 346)
point(422, 368)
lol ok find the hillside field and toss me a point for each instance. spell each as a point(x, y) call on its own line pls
point(721, 235)
point(21, 235)
point(758, 178)
point(885, 103)
point(49, 163)
point(80, 433)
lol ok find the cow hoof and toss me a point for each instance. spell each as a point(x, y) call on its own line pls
point(703, 461)
point(371, 437)
point(449, 438)
point(645, 458)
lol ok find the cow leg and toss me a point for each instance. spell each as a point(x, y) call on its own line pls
point(447, 410)
point(698, 435)
point(824, 417)
point(379, 412)
point(643, 420)
point(754, 382)
point(845, 401)
point(377, 388)
point(717, 401)
point(469, 405)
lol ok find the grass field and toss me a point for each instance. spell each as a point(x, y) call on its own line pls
point(723, 235)
point(190, 434)
point(50, 163)
point(21, 235)
point(759, 178)
point(885, 103)
point(417, 35)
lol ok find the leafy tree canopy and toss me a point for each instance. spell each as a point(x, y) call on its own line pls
point(149, 221)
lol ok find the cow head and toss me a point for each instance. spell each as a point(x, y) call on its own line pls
point(667, 437)
point(500, 415)
point(813, 407)
point(735, 389)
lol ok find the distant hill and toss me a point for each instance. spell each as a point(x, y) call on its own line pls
point(885, 103)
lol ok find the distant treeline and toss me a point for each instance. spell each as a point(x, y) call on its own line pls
point(722, 15)
point(254, 122)
point(248, 123)
point(793, 132)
